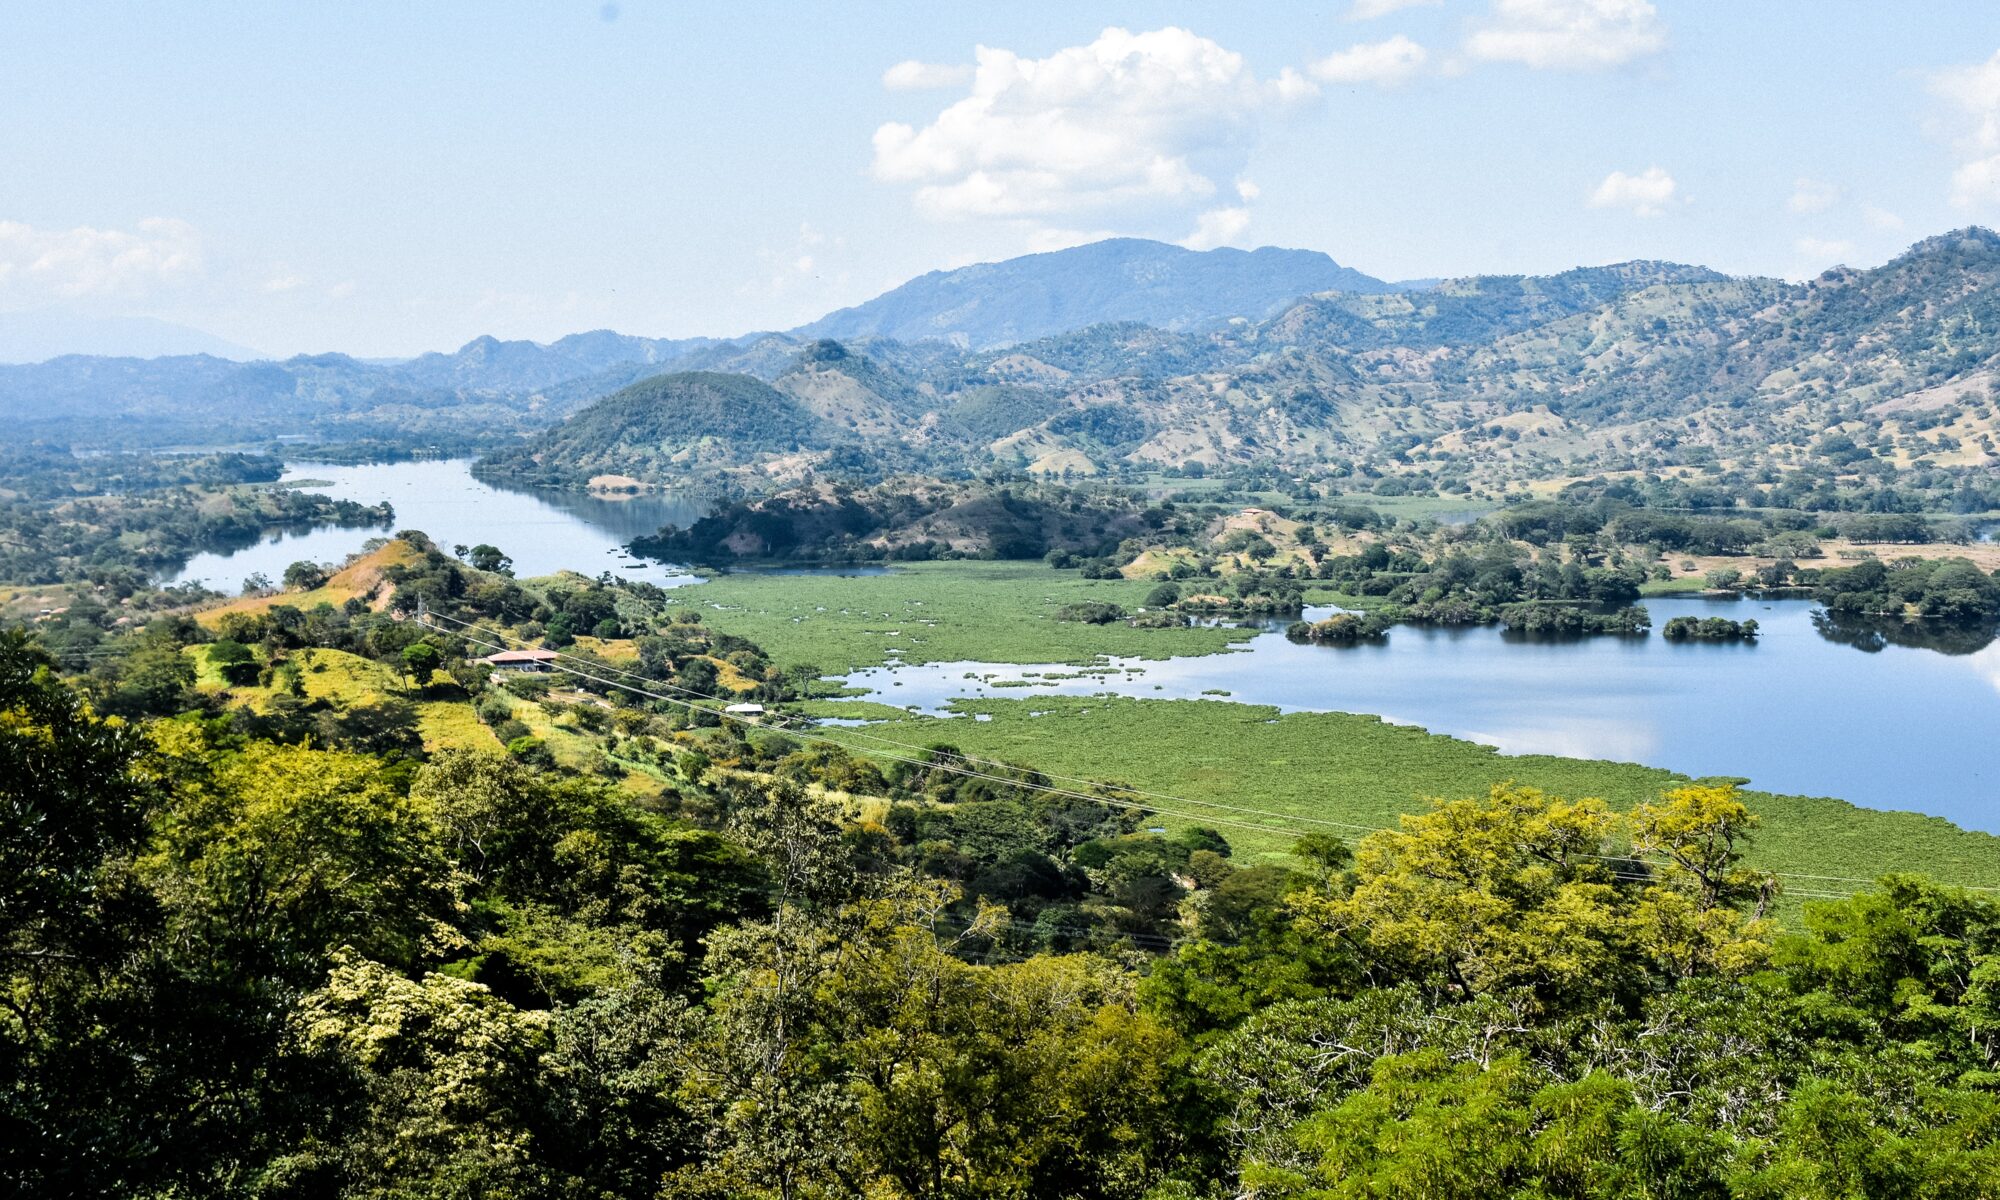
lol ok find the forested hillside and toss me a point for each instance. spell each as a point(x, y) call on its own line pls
point(301, 902)
point(1476, 386)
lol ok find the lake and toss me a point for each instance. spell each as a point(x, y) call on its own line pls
point(1809, 708)
point(543, 530)
point(1835, 713)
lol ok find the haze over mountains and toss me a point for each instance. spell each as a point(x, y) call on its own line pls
point(1130, 354)
point(1122, 279)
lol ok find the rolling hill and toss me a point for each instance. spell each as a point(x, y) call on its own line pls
point(1489, 380)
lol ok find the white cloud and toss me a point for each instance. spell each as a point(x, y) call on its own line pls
point(1247, 190)
point(285, 281)
point(1368, 10)
point(1646, 194)
point(1821, 253)
point(70, 264)
point(1568, 34)
point(1812, 196)
point(1974, 92)
point(1881, 218)
point(1218, 227)
point(1132, 128)
point(1385, 63)
point(1045, 239)
point(913, 76)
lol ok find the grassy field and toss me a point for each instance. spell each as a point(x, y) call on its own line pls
point(936, 612)
point(340, 679)
point(1364, 772)
point(359, 579)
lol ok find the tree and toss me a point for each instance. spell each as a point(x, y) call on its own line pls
point(303, 576)
point(422, 660)
point(234, 661)
point(1489, 894)
point(285, 853)
point(74, 804)
point(484, 557)
point(1688, 921)
point(447, 1078)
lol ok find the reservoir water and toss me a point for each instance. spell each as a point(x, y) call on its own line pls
point(1808, 709)
point(543, 530)
point(1887, 717)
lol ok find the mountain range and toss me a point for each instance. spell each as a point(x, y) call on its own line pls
point(1176, 359)
point(503, 386)
point(1488, 381)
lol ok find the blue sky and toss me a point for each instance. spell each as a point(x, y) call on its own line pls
point(390, 178)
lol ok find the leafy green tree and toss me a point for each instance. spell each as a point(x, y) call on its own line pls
point(1484, 895)
point(421, 660)
point(303, 576)
point(447, 1077)
point(484, 557)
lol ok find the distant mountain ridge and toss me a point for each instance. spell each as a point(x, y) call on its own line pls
point(37, 335)
point(493, 387)
point(988, 305)
point(1622, 368)
point(1614, 364)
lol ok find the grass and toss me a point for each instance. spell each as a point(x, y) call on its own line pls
point(1682, 586)
point(341, 679)
point(1366, 772)
point(937, 612)
point(358, 579)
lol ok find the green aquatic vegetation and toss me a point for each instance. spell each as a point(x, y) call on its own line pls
point(980, 611)
point(1363, 773)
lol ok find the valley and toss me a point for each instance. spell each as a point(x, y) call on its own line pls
point(1114, 639)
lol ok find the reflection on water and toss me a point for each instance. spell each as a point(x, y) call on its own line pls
point(1873, 634)
point(1797, 711)
point(544, 530)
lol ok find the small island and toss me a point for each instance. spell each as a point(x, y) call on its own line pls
point(1340, 629)
point(1710, 629)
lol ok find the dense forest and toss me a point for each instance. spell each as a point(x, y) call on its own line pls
point(249, 961)
point(304, 895)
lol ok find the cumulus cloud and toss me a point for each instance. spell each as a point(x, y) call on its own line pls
point(913, 76)
point(69, 264)
point(1973, 92)
point(1132, 128)
point(1820, 253)
point(1812, 196)
point(1218, 227)
point(1881, 218)
point(1385, 63)
point(1568, 34)
point(1368, 10)
point(1646, 194)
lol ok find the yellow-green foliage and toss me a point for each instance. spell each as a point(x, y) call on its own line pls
point(341, 679)
point(358, 579)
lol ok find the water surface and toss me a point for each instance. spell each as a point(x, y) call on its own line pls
point(544, 530)
point(1843, 712)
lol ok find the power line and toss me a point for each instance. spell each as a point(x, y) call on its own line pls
point(923, 749)
point(946, 767)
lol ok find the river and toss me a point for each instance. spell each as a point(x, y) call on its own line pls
point(543, 530)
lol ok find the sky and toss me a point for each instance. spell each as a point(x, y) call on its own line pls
point(388, 178)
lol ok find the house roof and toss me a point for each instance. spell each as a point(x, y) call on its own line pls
point(505, 657)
